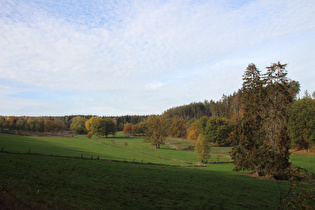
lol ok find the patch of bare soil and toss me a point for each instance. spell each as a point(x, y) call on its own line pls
point(306, 152)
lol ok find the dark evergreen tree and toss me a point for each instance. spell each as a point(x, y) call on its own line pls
point(263, 143)
point(248, 151)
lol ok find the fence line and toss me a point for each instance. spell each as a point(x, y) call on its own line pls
point(90, 157)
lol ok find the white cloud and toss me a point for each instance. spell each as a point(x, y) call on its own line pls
point(127, 47)
point(154, 86)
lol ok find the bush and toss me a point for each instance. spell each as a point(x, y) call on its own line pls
point(89, 135)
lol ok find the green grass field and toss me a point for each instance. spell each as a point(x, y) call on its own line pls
point(47, 182)
point(107, 148)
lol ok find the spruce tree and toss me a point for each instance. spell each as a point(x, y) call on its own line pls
point(263, 143)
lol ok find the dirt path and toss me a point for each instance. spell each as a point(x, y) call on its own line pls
point(171, 145)
point(304, 152)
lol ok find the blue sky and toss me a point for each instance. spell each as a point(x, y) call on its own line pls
point(142, 57)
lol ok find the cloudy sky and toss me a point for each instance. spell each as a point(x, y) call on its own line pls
point(63, 57)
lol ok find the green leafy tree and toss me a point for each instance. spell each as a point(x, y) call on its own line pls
point(202, 124)
point(53, 125)
point(39, 124)
point(202, 148)
point(20, 124)
point(139, 128)
point(78, 125)
point(96, 125)
point(218, 130)
point(142, 127)
point(302, 123)
point(110, 127)
point(177, 128)
point(30, 124)
point(157, 131)
point(2, 121)
point(12, 122)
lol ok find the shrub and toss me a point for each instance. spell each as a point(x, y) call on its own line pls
point(89, 135)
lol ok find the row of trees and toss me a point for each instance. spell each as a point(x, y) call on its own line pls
point(56, 124)
point(215, 129)
point(227, 106)
point(36, 124)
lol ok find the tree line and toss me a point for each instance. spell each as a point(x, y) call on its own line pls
point(227, 106)
point(61, 123)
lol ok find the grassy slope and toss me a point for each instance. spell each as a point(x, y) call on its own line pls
point(61, 182)
point(110, 148)
point(75, 147)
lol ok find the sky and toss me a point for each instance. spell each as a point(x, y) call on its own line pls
point(112, 58)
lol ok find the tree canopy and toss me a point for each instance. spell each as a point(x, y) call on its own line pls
point(302, 123)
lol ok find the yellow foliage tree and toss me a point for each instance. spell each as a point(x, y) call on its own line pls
point(193, 131)
point(157, 130)
point(202, 148)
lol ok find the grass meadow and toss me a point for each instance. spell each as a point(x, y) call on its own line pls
point(51, 182)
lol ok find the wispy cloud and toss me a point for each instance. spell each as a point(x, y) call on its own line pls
point(104, 48)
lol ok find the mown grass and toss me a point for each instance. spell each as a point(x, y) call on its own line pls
point(55, 182)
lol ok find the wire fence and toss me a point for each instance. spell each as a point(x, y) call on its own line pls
point(87, 157)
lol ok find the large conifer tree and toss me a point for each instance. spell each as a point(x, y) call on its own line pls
point(263, 143)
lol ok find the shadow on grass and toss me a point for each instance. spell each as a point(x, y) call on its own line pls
point(46, 181)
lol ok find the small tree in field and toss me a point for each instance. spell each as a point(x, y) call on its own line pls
point(157, 131)
point(202, 148)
